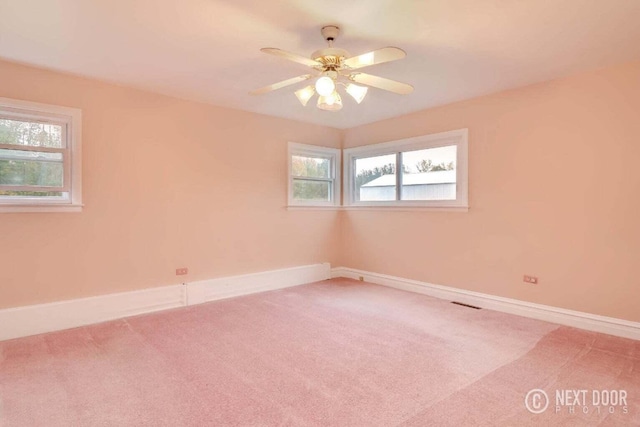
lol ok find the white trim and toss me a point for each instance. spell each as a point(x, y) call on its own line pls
point(379, 208)
point(36, 319)
point(51, 207)
point(228, 287)
point(333, 155)
point(577, 319)
point(313, 208)
point(407, 208)
point(439, 139)
point(459, 138)
point(33, 148)
point(71, 120)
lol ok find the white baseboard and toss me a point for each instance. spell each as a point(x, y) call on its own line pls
point(36, 319)
point(577, 319)
point(227, 287)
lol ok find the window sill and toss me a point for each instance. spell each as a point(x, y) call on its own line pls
point(313, 208)
point(408, 208)
point(380, 208)
point(40, 208)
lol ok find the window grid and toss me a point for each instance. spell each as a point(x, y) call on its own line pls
point(332, 180)
point(456, 138)
point(64, 193)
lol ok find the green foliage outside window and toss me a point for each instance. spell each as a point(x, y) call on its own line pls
point(312, 168)
point(30, 168)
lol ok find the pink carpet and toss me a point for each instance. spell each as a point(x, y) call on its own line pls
point(338, 352)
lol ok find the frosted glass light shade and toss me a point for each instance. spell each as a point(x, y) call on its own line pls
point(305, 94)
point(333, 102)
point(325, 86)
point(357, 92)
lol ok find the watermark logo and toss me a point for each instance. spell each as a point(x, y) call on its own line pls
point(536, 401)
point(573, 401)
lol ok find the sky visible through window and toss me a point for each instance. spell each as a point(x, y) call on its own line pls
point(411, 158)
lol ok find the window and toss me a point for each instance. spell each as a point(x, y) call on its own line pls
point(426, 171)
point(314, 175)
point(40, 159)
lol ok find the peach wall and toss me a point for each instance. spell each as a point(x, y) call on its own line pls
point(171, 183)
point(167, 183)
point(554, 192)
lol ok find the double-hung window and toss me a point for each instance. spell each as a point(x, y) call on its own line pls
point(40, 158)
point(425, 171)
point(314, 175)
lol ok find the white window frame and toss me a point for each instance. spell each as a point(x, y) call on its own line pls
point(459, 138)
point(333, 155)
point(71, 121)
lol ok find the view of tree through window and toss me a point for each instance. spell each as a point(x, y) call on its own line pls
point(311, 178)
point(33, 134)
point(375, 177)
point(430, 160)
point(29, 167)
point(369, 169)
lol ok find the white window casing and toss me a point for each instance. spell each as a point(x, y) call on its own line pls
point(332, 180)
point(69, 153)
point(382, 199)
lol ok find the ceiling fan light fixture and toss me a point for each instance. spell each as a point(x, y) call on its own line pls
point(357, 92)
point(332, 102)
point(325, 86)
point(333, 67)
point(305, 94)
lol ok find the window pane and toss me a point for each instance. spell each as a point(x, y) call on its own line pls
point(31, 168)
point(312, 167)
point(429, 174)
point(30, 133)
point(375, 178)
point(311, 190)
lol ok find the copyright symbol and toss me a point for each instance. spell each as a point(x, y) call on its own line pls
point(536, 401)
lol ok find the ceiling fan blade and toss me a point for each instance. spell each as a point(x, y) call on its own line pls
point(291, 56)
point(281, 84)
point(386, 54)
point(381, 83)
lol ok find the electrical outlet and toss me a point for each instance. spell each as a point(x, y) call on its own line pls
point(530, 279)
point(182, 271)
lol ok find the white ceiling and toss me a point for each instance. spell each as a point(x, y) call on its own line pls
point(208, 50)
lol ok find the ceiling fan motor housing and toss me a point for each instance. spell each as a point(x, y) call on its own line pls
point(330, 32)
point(330, 57)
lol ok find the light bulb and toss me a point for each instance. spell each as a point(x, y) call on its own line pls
point(305, 94)
point(332, 102)
point(325, 86)
point(357, 92)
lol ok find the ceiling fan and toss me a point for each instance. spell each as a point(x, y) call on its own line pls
point(335, 67)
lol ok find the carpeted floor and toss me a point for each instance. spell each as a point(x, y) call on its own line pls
point(337, 352)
